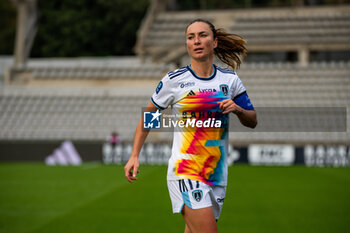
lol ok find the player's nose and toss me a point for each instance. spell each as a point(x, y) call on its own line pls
point(197, 40)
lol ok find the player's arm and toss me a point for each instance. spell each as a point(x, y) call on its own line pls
point(242, 107)
point(132, 166)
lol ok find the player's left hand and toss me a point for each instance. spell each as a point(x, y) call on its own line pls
point(131, 169)
point(228, 106)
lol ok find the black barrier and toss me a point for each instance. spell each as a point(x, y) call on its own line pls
point(159, 153)
point(33, 151)
point(263, 155)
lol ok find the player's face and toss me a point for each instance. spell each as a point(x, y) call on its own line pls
point(200, 41)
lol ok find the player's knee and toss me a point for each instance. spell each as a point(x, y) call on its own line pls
point(199, 220)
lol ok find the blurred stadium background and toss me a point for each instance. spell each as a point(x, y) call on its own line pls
point(78, 70)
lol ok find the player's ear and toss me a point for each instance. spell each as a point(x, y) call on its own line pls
point(215, 42)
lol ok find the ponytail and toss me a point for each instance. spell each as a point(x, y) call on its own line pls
point(231, 48)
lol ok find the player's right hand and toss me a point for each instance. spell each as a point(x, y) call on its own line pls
point(131, 169)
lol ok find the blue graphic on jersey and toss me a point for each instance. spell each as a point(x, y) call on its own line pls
point(220, 167)
point(160, 85)
point(186, 199)
point(243, 101)
point(151, 120)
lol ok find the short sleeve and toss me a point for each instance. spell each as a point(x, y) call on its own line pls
point(237, 88)
point(164, 94)
point(240, 96)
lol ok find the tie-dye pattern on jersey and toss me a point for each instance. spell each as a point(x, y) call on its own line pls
point(203, 148)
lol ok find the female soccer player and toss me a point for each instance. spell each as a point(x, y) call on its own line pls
point(200, 92)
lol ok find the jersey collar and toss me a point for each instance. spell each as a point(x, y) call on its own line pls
point(203, 78)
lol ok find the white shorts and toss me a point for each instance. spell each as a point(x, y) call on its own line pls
point(196, 195)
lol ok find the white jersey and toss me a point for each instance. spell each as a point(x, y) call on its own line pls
point(198, 153)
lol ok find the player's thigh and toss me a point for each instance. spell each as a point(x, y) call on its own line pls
point(200, 220)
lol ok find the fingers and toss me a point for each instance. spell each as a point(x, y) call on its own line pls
point(220, 104)
point(135, 172)
point(130, 176)
point(127, 174)
point(226, 111)
point(227, 106)
point(131, 172)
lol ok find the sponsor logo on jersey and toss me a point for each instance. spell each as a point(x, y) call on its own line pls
point(205, 115)
point(188, 84)
point(207, 90)
point(220, 200)
point(159, 87)
point(197, 195)
point(224, 89)
point(151, 120)
point(191, 93)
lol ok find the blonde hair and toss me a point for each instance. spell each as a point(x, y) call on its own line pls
point(231, 48)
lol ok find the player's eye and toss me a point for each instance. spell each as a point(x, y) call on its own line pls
point(189, 37)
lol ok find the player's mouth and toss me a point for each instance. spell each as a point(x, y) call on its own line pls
point(198, 50)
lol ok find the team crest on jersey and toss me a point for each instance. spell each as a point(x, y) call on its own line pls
point(197, 195)
point(224, 89)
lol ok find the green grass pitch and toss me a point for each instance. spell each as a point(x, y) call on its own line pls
point(97, 198)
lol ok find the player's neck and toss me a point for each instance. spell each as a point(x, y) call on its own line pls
point(202, 68)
